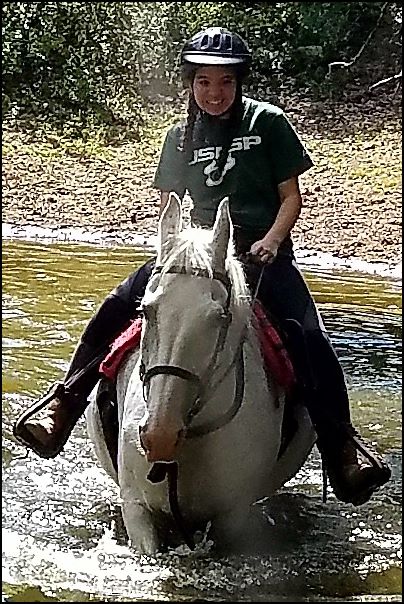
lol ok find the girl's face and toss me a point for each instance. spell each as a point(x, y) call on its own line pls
point(214, 89)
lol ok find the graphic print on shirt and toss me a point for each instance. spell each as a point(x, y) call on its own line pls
point(211, 169)
point(211, 154)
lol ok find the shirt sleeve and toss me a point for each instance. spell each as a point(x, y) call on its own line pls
point(170, 171)
point(288, 155)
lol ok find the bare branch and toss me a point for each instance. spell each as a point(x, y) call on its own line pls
point(364, 45)
point(381, 82)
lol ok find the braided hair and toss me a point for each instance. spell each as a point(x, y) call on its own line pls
point(188, 133)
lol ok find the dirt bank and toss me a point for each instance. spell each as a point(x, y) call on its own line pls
point(352, 197)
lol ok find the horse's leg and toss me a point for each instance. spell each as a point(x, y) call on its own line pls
point(140, 527)
point(237, 530)
point(132, 469)
point(138, 520)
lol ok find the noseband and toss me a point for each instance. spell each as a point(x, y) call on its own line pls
point(204, 391)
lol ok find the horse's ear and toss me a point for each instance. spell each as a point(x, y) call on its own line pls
point(169, 225)
point(222, 232)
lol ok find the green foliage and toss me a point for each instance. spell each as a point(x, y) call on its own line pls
point(287, 38)
point(70, 58)
point(100, 61)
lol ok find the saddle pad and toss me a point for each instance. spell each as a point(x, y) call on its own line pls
point(126, 341)
point(276, 357)
point(273, 350)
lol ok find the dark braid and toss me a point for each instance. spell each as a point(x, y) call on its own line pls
point(192, 113)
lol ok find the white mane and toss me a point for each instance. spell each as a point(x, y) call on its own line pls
point(191, 248)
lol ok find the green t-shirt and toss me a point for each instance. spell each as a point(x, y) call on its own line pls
point(265, 152)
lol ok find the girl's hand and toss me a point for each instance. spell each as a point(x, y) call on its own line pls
point(265, 250)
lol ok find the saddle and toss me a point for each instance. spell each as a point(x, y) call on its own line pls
point(277, 362)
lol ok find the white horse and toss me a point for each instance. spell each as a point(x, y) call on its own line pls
point(196, 393)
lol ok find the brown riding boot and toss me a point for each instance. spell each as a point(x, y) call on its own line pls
point(352, 478)
point(48, 434)
point(46, 426)
point(65, 402)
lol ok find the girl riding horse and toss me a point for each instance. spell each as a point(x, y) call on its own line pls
point(236, 147)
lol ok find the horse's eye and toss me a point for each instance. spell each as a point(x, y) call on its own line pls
point(220, 316)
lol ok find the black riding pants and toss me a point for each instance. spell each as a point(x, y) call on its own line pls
point(283, 293)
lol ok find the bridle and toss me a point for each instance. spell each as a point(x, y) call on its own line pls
point(205, 389)
point(204, 384)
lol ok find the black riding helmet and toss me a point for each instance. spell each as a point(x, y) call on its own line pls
point(215, 46)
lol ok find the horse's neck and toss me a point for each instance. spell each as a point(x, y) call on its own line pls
point(253, 361)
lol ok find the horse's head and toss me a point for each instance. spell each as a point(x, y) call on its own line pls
point(195, 292)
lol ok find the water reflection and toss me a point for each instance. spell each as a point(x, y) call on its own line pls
point(371, 341)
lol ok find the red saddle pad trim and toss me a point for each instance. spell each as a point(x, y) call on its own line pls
point(125, 342)
point(276, 357)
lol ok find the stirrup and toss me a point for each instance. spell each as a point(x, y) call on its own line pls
point(368, 451)
point(378, 471)
point(25, 437)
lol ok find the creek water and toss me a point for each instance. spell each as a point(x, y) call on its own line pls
point(62, 539)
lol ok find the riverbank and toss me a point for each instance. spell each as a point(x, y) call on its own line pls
point(352, 197)
point(79, 235)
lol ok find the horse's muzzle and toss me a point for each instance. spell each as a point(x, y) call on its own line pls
point(160, 444)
